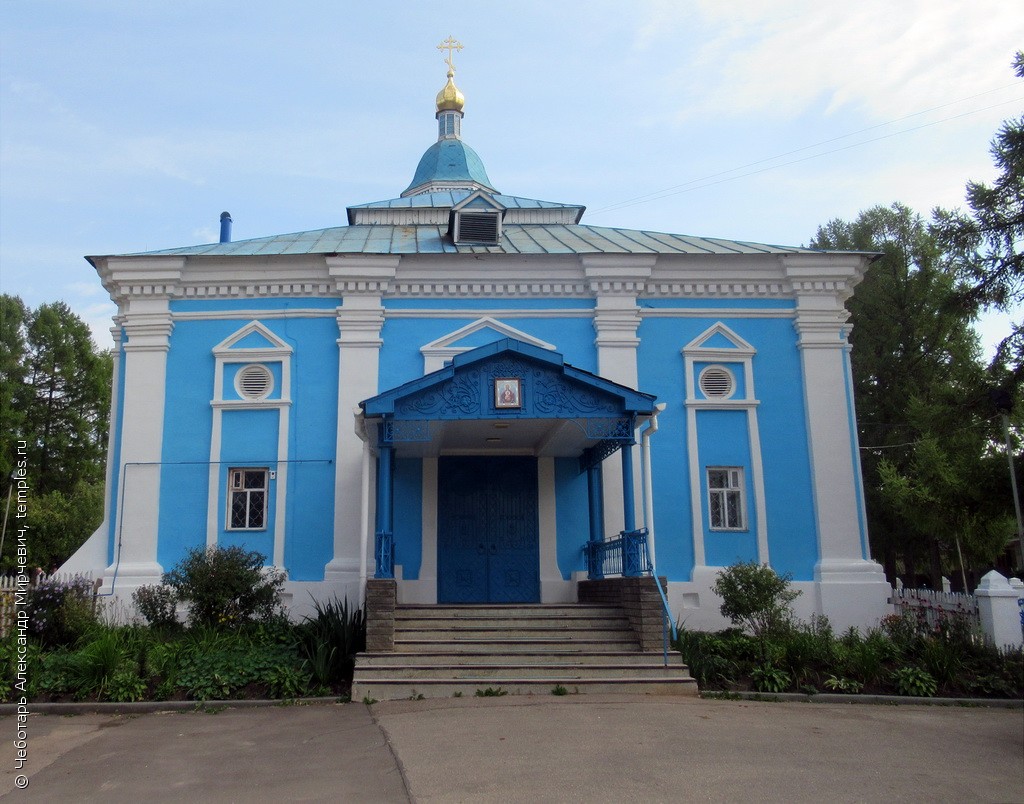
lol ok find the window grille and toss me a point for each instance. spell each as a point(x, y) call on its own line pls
point(716, 383)
point(254, 382)
point(725, 498)
point(478, 227)
point(247, 499)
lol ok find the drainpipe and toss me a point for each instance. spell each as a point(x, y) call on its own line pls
point(364, 506)
point(648, 491)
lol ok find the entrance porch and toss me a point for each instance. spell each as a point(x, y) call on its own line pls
point(507, 446)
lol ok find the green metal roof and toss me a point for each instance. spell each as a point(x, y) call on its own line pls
point(450, 160)
point(515, 239)
point(449, 198)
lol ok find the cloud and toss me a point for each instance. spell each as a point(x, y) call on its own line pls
point(886, 59)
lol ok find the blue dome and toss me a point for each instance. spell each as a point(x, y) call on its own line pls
point(452, 161)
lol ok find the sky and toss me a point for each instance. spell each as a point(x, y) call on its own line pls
point(129, 126)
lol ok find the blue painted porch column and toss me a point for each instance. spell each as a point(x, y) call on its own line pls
point(628, 502)
point(384, 552)
point(595, 570)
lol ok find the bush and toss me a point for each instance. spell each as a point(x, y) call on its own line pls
point(756, 598)
point(225, 586)
point(60, 612)
point(330, 640)
point(157, 605)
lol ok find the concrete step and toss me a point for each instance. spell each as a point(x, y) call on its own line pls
point(547, 657)
point(398, 688)
point(517, 645)
point(578, 672)
point(505, 612)
point(503, 631)
point(442, 651)
point(463, 622)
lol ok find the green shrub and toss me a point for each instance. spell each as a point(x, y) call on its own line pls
point(770, 679)
point(219, 665)
point(847, 685)
point(157, 605)
point(225, 586)
point(330, 640)
point(60, 612)
point(914, 681)
point(756, 598)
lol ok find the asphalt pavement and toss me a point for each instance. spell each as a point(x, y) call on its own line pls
point(523, 749)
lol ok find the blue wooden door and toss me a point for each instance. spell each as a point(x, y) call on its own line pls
point(487, 541)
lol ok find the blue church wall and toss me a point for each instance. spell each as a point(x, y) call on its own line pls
point(188, 424)
point(401, 359)
point(724, 440)
point(408, 515)
point(248, 439)
point(313, 421)
point(851, 415)
point(188, 430)
point(778, 384)
point(785, 452)
point(571, 522)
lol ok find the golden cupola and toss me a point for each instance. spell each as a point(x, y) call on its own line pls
point(450, 98)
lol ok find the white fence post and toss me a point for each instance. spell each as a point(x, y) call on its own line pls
point(998, 610)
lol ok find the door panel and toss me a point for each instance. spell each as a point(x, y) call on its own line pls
point(488, 544)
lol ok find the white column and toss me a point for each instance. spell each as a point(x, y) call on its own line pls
point(852, 589)
point(616, 280)
point(362, 282)
point(147, 327)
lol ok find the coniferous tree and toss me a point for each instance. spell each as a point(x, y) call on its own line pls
point(926, 427)
point(55, 396)
point(987, 243)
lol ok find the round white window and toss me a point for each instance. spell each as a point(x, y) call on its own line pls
point(716, 382)
point(254, 382)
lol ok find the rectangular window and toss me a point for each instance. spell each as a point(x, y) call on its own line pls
point(247, 499)
point(725, 498)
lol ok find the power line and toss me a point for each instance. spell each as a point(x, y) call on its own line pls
point(686, 187)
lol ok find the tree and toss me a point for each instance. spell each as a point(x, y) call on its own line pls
point(987, 243)
point(926, 428)
point(13, 395)
point(54, 396)
point(67, 413)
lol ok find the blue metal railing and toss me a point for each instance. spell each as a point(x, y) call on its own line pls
point(627, 555)
point(384, 554)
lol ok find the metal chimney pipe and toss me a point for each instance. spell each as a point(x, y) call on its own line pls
point(225, 227)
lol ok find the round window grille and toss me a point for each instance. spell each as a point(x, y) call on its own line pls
point(716, 383)
point(254, 382)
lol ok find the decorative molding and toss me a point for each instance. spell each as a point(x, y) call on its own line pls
point(737, 289)
point(456, 289)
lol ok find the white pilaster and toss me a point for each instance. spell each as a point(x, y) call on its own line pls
point(362, 282)
point(147, 327)
point(616, 280)
point(852, 589)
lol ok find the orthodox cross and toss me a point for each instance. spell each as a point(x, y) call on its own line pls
point(450, 44)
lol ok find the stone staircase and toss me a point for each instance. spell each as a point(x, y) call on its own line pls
point(445, 651)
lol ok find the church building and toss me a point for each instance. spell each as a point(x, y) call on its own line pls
point(478, 395)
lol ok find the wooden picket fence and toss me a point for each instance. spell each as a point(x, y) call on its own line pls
point(9, 585)
point(929, 606)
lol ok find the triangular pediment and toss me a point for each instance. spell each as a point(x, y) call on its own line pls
point(721, 339)
point(479, 333)
point(253, 337)
point(545, 387)
point(479, 201)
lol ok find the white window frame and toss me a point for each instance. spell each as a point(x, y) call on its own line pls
point(731, 496)
point(237, 486)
